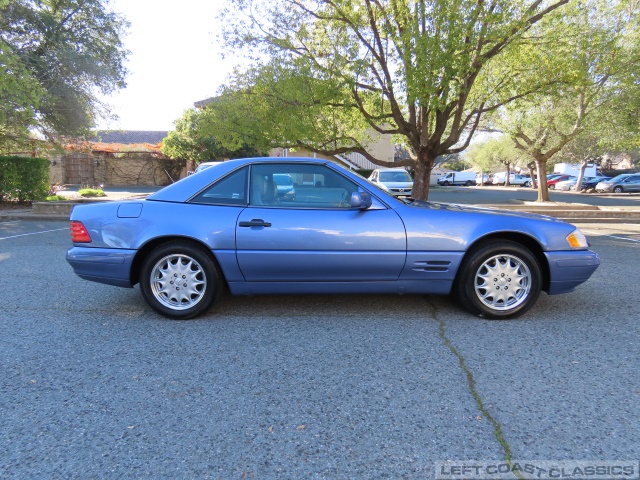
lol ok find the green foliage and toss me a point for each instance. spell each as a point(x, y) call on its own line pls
point(496, 154)
point(594, 106)
point(55, 198)
point(23, 179)
point(56, 57)
point(91, 192)
point(329, 75)
point(192, 140)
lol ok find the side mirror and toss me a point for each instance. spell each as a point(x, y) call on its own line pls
point(360, 200)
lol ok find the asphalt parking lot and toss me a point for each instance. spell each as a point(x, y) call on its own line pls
point(95, 385)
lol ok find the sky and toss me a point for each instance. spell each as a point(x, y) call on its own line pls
point(174, 61)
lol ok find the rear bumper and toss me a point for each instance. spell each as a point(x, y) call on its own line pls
point(570, 269)
point(103, 265)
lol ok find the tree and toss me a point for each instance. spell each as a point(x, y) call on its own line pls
point(56, 56)
point(494, 152)
point(426, 71)
point(189, 141)
point(599, 47)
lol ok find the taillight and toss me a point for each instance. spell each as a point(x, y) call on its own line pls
point(79, 233)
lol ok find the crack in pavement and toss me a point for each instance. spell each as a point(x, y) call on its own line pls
point(497, 429)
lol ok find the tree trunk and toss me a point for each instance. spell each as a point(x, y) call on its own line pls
point(532, 173)
point(583, 167)
point(422, 177)
point(543, 191)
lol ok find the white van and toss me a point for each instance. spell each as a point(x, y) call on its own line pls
point(458, 178)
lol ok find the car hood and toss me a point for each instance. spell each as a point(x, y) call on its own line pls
point(482, 210)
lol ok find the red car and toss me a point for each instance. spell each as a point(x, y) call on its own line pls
point(552, 182)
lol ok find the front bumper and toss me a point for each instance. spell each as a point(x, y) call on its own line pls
point(569, 269)
point(103, 265)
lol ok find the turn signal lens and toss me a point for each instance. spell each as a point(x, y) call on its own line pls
point(79, 233)
point(576, 239)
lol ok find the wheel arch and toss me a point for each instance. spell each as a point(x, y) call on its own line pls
point(525, 240)
point(148, 247)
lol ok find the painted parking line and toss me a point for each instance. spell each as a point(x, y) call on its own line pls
point(611, 236)
point(34, 233)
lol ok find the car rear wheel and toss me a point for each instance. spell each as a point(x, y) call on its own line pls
point(617, 190)
point(527, 184)
point(179, 281)
point(468, 184)
point(499, 281)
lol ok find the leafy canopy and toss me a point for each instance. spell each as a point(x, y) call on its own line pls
point(189, 141)
point(325, 71)
point(56, 57)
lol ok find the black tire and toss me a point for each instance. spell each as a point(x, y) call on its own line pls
point(200, 286)
point(552, 186)
point(468, 184)
point(446, 183)
point(617, 189)
point(527, 184)
point(514, 296)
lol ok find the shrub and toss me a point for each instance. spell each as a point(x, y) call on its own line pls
point(91, 192)
point(55, 198)
point(24, 179)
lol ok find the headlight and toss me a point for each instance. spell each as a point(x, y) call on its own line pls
point(576, 239)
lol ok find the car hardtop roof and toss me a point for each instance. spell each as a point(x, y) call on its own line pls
point(185, 188)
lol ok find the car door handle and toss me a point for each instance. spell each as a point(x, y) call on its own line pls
point(256, 222)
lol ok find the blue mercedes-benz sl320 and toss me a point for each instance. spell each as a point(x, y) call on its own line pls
point(330, 231)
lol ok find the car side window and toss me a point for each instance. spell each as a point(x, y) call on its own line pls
point(292, 185)
point(229, 190)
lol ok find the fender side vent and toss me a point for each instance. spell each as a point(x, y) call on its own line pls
point(432, 266)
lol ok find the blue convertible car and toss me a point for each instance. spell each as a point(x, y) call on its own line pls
point(330, 231)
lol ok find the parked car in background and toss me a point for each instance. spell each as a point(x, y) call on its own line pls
point(457, 178)
point(484, 179)
point(397, 180)
point(284, 184)
point(565, 185)
point(627, 182)
point(227, 227)
point(590, 183)
point(514, 179)
point(203, 166)
point(551, 184)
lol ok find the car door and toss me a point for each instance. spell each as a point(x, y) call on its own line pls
point(632, 184)
point(314, 236)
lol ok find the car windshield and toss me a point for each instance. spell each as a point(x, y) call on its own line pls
point(395, 177)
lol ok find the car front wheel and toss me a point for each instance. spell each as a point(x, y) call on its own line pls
point(179, 281)
point(617, 190)
point(499, 281)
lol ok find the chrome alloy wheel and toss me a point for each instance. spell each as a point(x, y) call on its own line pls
point(503, 282)
point(178, 282)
